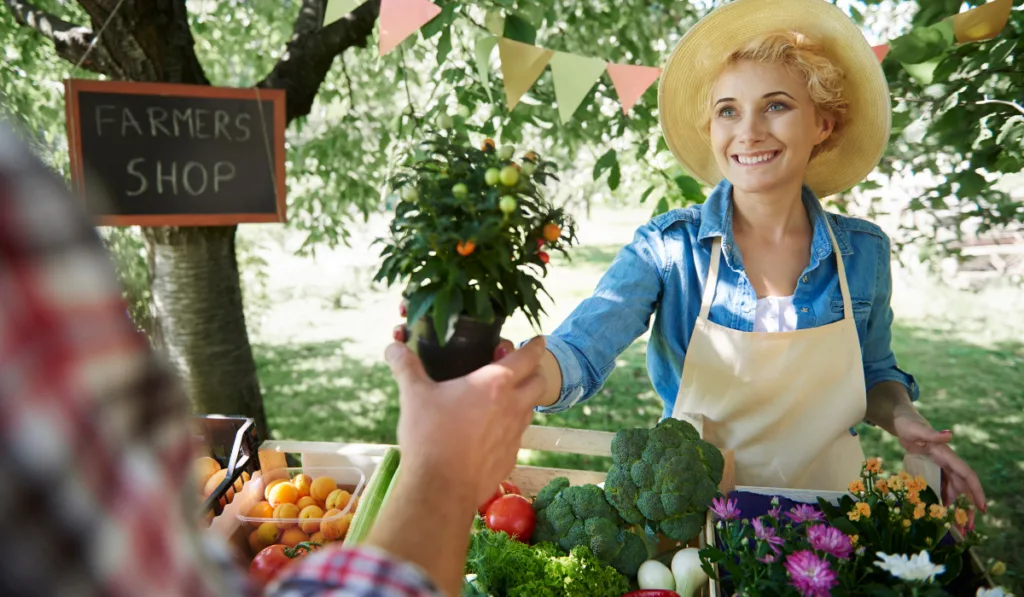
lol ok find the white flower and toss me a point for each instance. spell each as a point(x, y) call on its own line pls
point(917, 568)
point(996, 592)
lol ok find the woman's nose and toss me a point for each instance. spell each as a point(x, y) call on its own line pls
point(752, 130)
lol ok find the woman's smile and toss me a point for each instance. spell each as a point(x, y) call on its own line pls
point(762, 158)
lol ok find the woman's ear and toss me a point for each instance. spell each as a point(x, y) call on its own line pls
point(826, 126)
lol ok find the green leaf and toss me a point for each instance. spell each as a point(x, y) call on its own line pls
point(439, 22)
point(447, 307)
point(484, 310)
point(615, 177)
point(518, 29)
point(420, 302)
point(605, 162)
point(845, 525)
point(646, 194)
point(924, 72)
point(922, 44)
point(444, 46)
point(661, 208)
point(971, 185)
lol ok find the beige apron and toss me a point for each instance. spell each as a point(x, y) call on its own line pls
point(782, 401)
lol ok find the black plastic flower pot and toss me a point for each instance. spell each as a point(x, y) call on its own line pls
point(470, 347)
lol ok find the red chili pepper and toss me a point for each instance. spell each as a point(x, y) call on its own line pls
point(544, 257)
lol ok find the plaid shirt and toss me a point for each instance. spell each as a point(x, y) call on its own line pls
point(95, 456)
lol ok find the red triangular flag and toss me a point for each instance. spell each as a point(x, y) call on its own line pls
point(401, 18)
point(881, 51)
point(631, 82)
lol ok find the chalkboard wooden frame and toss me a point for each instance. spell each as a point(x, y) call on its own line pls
point(73, 87)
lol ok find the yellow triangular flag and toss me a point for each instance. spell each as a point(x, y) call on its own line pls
point(336, 9)
point(521, 66)
point(574, 77)
point(484, 47)
point(983, 22)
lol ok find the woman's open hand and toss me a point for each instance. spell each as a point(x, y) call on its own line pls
point(917, 436)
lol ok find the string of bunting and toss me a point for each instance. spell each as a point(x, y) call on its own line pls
point(575, 75)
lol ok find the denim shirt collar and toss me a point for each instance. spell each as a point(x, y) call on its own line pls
point(716, 220)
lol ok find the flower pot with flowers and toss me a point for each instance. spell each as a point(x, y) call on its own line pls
point(888, 536)
point(471, 238)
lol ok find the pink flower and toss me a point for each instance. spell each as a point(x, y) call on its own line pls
point(767, 533)
point(830, 540)
point(769, 558)
point(810, 575)
point(725, 509)
point(805, 513)
point(775, 512)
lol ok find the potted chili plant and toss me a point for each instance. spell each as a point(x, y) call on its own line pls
point(471, 237)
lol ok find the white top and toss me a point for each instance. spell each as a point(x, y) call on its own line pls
point(775, 314)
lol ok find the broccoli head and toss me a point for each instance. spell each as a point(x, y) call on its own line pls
point(581, 516)
point(664, 478)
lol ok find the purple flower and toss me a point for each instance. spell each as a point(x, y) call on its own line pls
point(767, 533)
point(810, 575)
point(775, 512)
point(830, 540)
point(769, 558)
point(725, 509)
point(805, 513)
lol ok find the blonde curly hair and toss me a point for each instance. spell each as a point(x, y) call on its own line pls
point(807, 58)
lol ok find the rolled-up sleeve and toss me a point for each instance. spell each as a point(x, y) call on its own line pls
point(879, 360)
point(588, 342)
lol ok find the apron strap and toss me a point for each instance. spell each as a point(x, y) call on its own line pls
point(712, 281)
point(843, 286)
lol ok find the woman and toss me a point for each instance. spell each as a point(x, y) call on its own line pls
point(771, 330)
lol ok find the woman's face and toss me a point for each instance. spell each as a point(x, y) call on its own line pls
point(764, 126)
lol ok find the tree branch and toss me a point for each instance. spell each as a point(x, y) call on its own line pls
point(71, 41)
point(312, 49)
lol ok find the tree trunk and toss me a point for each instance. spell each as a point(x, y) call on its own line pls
point(199, 321)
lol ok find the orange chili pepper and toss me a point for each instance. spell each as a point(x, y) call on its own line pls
point(465, 248)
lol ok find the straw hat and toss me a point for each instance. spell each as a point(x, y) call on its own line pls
point(684, 93)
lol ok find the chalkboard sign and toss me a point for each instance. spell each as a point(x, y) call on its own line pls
point(153, 154)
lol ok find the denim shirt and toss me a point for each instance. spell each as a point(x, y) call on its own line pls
point(662, 272)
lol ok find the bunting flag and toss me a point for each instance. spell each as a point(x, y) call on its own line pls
point(521, 66)
point(631, 82)
point(574, 77)
point(483, 49)
point(982, 22)
point(336, 9)
point(881, 51)
point(401, 18)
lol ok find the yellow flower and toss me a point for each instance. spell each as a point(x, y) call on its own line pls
point(882, 486)
point(853, 515)
point(856, 487)
point(919, 511)
point(904, 476)
point(913, 498)
point(874, 465)
point(921, 482)
point(853, 539)
point(864, 509)
point(896, 483)
point(937, 512)
point(961, 517)
point(906, 523)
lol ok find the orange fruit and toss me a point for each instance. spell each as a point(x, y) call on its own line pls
point(203, 468)
point(318, 537)
point(307, 513)
point(322, 487)
point(268, 533)
point(552, 232)
point(286, 511)
point(255, 543)
point(261, 510)
point(336, 528)
point(293, 537)
point(465, 248)
point(338, 499)
point(302, 483)
point(271, 485)
point(305, 502)
point(283, 493)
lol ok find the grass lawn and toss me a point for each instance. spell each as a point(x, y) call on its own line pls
point(320, 343)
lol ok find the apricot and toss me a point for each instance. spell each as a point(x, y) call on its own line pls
point(283, 493)
point(322, 488)
point(293, 537)
point(307, 513)
point(302, 483)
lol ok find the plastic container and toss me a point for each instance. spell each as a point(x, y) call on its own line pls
point(233, 443)
point(349, 479)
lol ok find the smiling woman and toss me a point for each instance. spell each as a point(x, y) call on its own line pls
point(771, 328)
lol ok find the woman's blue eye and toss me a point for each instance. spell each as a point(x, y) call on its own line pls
point(775, 105)
point(726, 112)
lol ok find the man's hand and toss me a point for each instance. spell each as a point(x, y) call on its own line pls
point(466, 431)
point(917, 436)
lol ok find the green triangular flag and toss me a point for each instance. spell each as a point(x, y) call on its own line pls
point(574, 78)
point(336, 9)
point(484, 47)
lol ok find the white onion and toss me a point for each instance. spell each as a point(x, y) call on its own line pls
point(655, 575)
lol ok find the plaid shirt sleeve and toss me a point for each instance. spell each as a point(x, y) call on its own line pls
point(353, 572)
point(95, 448)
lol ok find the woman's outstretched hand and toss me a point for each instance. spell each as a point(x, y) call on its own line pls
point(917, 436)
point(401, 334)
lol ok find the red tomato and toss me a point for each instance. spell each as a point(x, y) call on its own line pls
point(497, 494)
point(510, 487)
point(272, 560)
point(512, 514)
